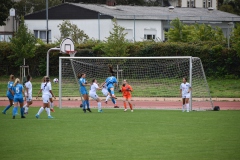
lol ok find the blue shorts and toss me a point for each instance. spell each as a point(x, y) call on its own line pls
point(83, 91)
point(20, 100)
point(10, 96)
point(110, 86)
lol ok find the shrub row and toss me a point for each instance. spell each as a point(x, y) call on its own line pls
point(218, 61)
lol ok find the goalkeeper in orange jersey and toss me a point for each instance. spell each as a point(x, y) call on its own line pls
point(126, 91)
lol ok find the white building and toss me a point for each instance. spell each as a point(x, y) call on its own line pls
point(141, 22)
point(194, 3)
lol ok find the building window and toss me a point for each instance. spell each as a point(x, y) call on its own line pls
point(5, 38)
point(165, 31)
point(191, 3)
point(41, 34)
point(209, 3)
point(150, 34)
point(204, 4)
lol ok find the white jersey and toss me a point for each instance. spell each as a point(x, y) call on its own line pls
point(185, 88)
point(28, 85)
point(94, 88)
point(46, 87)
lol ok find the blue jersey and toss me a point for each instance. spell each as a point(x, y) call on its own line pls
point(18, 91)
point(110, 81)
point(83, 89)
point(10, 85)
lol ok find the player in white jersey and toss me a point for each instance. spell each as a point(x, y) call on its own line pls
point(50, 95)
point(93, 94)
point(28, 94)
point(46, 90)
point(185, 89)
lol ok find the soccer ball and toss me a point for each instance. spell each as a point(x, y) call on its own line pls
point(55, 80)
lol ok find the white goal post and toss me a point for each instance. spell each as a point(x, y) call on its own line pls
point(150, 77)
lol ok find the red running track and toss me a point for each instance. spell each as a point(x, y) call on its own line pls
point(137, 104)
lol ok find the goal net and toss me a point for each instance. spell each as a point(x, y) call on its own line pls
point(154, 79)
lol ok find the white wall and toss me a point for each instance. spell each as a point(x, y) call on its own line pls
point(199, 3)
point(90, 27)
point(140, 26)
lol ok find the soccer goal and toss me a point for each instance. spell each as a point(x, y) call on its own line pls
point(152, 78)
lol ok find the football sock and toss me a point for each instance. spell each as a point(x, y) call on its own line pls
point(48, 112)
point(187, 105)
point(25, 105)
point(114, 101)
point(7, 108)
point(130, 105)
point(125, 105)
point(99, 106)
point(112, 92)
point(87, 102)
point(51, 105)
point(22, 111)
point(26, 109)
point(83, 104)
point(108, 96)
point(15, 110)
point(40, 110)
point(183, 107)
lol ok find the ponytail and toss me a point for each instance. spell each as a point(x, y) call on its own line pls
point(11, 77)
point(111, 70)
point(16, 82)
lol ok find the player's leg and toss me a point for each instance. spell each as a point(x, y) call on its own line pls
point(51, 104)
point(99, 105)
point(187, 104)
point(107, 98)
point(45, 100)
point(26, 106)
point(10, 104)
point(183, 105)
point(15, 108)
point(124, 103)
point(21, 108)
point(129, 103)
point(87, 103)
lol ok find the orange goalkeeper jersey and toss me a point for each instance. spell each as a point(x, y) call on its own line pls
point(126, 90)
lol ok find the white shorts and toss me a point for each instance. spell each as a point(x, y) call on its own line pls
point(50, 95)
point(93, 96)
point(105, 92)
point(29, 98)
point(45, 98)
point(186, 95)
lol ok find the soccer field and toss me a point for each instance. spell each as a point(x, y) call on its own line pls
point(118, 135)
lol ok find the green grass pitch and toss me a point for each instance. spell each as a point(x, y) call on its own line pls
point(116, 135)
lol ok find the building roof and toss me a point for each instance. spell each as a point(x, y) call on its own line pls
point(91, 11)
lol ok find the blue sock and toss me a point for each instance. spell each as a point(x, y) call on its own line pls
point(15, 110)
point(83, 104)
point(22, 111)
point(114, 101)
point(7, 108)
point(87, 102)
point(112, 92)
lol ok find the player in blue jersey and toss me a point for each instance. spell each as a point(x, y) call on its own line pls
point(10, 93)
point(83, 83)
point(18, 98)
point(110, 82)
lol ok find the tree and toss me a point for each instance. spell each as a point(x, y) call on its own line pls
point(231, 6)
point(5, 6)
point(67, 29)
point(23, 44)
point(116, 44)
point(24, 7)
point(235, 38)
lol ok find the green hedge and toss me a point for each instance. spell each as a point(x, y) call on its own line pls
point(218, 61)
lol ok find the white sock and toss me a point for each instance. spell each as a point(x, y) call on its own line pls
point(108, 96)
point(26, 109)
point(183, 107)
point(187, 105)
point(25, 105)
point(40, 110)
point(51, 105)
point(99, 106)
point(48, 112)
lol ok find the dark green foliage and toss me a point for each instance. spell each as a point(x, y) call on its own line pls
point(5, 6)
